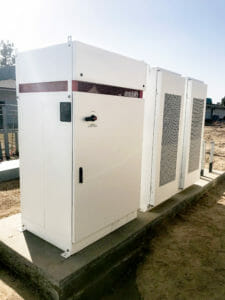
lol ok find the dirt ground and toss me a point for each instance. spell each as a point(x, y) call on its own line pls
point(12, 145)
point(216, 134)
point(186, 259)
point(9, 198)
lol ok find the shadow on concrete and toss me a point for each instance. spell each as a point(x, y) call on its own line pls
point(9, 185)
point(126, 290)
point(14, 286)
point(206, 178)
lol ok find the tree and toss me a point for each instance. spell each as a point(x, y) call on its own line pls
point(7, 53)
point(223, 101)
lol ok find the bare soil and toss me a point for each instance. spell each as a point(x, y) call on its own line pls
point(186, 259)
point(12, 145)
point(216, 134)
point(9, 198)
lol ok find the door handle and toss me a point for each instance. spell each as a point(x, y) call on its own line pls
point(80, 175)
point(91, 118)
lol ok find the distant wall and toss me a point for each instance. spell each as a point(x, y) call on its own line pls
point(7, 72)
point(8, 98)
point(208, 113)
point(214, 110)
point(219, 112)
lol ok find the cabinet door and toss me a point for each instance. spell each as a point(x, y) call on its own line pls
point(107, 160)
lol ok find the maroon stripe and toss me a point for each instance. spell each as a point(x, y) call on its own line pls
point(39, 87)
point(74, 85)
point(80, 86)
point(140, 94)
point(95, 88)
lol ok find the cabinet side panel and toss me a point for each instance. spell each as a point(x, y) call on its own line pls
point(43, 65)
point(148, 139)
point(170, 134)
point(195, 124)
point(196, 134)
point(31, 162)
point(57, 143)
point(169, 131)
point(46, 167)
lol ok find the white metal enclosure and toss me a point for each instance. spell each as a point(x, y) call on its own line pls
point(195, 103)
point(162, 139)
point(148, 130)
point(80, 125)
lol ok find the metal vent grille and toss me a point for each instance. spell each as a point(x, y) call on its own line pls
point(196, 134)
point(171, 119)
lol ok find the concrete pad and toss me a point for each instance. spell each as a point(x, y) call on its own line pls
point(9, 170)
point(92, 271)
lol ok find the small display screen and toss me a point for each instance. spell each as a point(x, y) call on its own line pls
point(65, 111)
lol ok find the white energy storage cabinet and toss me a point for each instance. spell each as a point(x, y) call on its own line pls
point(162, 137)
point(80, 124)
point(195, 103)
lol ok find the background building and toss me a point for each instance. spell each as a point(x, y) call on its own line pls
point(214, 112)
point(8, 96)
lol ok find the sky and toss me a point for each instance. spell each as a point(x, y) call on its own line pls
point(187, 37)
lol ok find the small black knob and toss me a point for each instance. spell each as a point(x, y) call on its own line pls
point(92, 118)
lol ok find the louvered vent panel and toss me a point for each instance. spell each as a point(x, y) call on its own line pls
point(171, 118)
point(196, 134)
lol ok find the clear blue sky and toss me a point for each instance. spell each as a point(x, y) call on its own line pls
point(187, 37)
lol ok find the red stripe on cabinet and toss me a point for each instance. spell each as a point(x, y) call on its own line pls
point(79, 86)
point(40, 87)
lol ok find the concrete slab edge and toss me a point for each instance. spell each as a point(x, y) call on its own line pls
point(10, 172)
point(35, 277)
